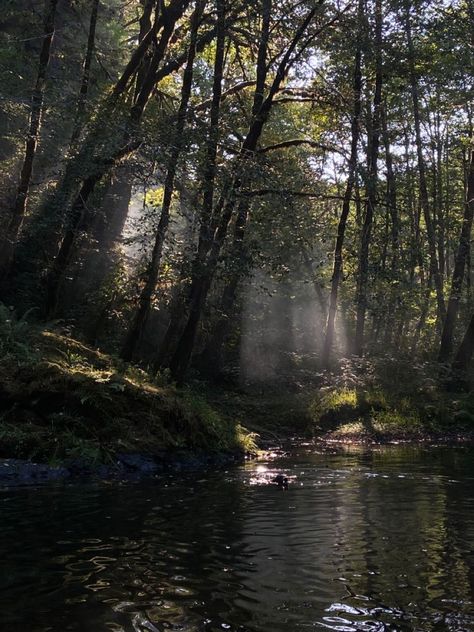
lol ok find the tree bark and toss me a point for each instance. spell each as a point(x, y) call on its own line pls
point(103, 165)
point(371, 186)
point(213, 353)
point(86, 70)
point(391, 197)
point(463, 356)
point(201, 283)
point(424, 200)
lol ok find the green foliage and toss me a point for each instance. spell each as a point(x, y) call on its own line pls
point(386, 398)
point(213, 428)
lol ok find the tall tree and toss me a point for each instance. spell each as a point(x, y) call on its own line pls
point(213, 349)
point(460, 261)
point(86, 71)
point(371, 187)
point(202, 280)
point(346, 205)
point(424, 199)
point(125, 143)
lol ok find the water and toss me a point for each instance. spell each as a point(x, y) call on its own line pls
point(366, 540)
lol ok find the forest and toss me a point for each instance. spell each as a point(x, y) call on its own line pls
point(236, 315)
point(247, 209)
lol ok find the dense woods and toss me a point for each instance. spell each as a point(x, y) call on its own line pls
point(235, 189)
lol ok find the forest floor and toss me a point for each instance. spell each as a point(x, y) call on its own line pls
point(62, 401)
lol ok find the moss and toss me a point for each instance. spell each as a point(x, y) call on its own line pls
point(62, 399)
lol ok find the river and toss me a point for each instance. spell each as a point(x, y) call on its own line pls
point(364, 539)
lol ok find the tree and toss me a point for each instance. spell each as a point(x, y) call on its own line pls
point(36, 113)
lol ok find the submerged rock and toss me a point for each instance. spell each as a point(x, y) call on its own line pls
point(126, 466)
point(138, 463)
point(19, 472)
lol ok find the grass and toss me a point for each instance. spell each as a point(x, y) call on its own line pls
point(60, 399)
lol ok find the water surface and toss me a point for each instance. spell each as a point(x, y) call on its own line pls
point(366, 540)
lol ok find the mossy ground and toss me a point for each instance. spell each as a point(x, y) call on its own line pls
point(60, 399)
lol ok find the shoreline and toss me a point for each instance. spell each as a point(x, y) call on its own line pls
point(136, 467)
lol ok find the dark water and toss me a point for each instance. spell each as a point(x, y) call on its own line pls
point(368, 540)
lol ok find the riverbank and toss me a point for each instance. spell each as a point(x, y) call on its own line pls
point(334, 416)
point(69, 410)
point(62, 401)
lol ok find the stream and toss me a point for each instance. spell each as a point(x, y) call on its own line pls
point(364, 539)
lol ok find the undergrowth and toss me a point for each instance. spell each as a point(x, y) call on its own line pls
point(385, 398)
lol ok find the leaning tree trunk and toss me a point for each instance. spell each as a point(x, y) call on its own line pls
point(79, 217)
point(346, 205)
point(108, 224)
point(36, 113)
point(139, 321)
point(212, 354)
point(371, 196)
point(82, 166)
point(209, 171)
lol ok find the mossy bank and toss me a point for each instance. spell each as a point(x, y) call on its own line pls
point(62, 400)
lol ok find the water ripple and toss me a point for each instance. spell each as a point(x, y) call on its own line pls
point(370, 540)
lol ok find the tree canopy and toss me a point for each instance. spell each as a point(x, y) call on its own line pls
point(218, 185)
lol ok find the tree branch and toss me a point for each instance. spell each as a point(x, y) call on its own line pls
point(300, 141)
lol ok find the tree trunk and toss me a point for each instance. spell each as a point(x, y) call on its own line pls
point(36, 113)
point(86, 70)
point(346, 205)
point(145, 27)
point(137, 327)
point(424, 200)
point(213, 351)
point(371, 194)
point(459, 269)
point(103, 165)
point(391, 197)
point(463, 357)
point(202, 281)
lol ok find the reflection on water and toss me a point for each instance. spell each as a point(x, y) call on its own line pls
point(369, 540)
